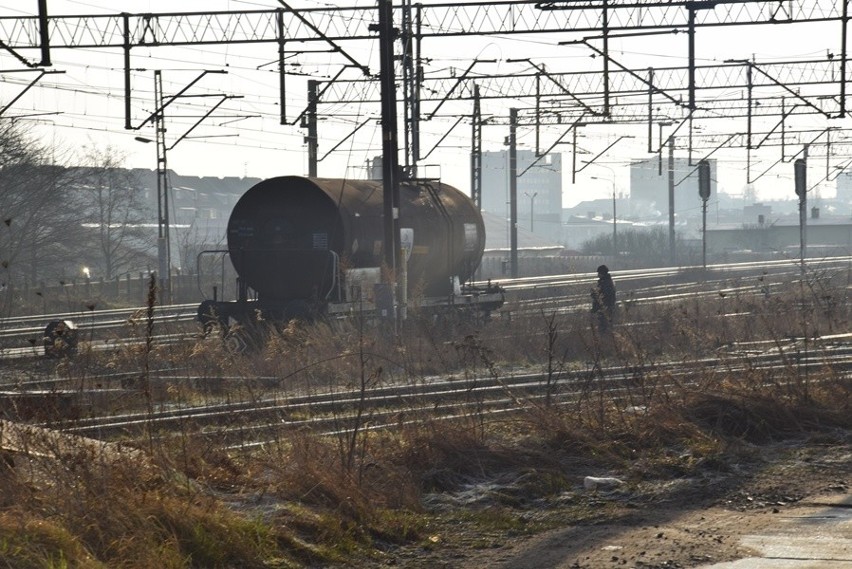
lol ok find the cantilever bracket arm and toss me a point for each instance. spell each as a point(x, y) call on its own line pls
point(328, 84)
point(782, 160)
point(577, 123)
point(207, 114)
point(602, 152)
point(364, 69)
point(674, 132)
point(27, 88)
point(44, 39)
point(585, 41)
point(345, 138)
point(828, 177)
point(788, 89)
point(777, 125)
point(18, 56)
point(443, 138)
point(176, 96)
point(541, 69)
point(706, 156)
point(457, 83)
point(839, 169)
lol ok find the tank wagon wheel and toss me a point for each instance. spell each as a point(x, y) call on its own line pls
point(461, 318)
point(301, 310)
point(235, 341)
point(482, 317)
point(210, 320)
point(60, 339)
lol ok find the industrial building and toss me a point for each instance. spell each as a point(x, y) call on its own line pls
point(539, 194)
point(649, 188)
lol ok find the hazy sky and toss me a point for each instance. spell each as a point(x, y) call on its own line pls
point(244, 137)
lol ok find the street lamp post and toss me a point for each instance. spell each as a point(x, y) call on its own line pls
point(614, 230)
point(532, 196)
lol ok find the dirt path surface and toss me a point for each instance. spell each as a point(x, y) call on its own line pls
point(704, 538)
point(674, 524)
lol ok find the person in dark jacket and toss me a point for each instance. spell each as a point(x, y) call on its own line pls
point(603, 299)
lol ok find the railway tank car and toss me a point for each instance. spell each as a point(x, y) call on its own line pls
point(302, 246)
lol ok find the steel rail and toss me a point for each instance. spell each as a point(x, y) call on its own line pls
point(553, 294)
point(393, 399)
point(26, 325)
point(618, 389)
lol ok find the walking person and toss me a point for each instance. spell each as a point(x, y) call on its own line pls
point(603, 299)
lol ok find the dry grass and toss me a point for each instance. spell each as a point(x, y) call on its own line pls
point(311, 499)
point(81, 508)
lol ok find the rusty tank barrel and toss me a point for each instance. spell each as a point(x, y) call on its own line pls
point(291, 237)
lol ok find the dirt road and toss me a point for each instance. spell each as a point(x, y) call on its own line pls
point(662, 524)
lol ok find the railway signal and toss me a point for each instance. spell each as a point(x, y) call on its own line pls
point(704, 192)
point(800, 176)
point(704, 180)
point(800, 168)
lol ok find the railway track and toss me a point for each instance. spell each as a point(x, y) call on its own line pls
point(21, 330)
point(252, 423)
point(526, 297)
point(256, 421)
point(20, 337)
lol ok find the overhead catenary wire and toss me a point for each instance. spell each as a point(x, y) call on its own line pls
point(237, 58)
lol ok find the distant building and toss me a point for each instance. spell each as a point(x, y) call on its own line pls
point(649, 188)
point(375, 168)
point(202, 201)
point(199, 208)
point(539, 191)
point(757, 214)
point(844, 186)
point(581, 229)
point(783, 238)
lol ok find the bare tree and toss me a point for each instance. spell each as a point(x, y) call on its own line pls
point(115, 210)
point(647, 248)
point(40, 234)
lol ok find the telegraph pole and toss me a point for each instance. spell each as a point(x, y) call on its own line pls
point(310, 122)
point(476, 150)
point(672, 253)
point(800, 171)
point(44, 33)
point(164, 255)
point(513, 191)
point(412, 72)
point(390, 148)
point(704, 194)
